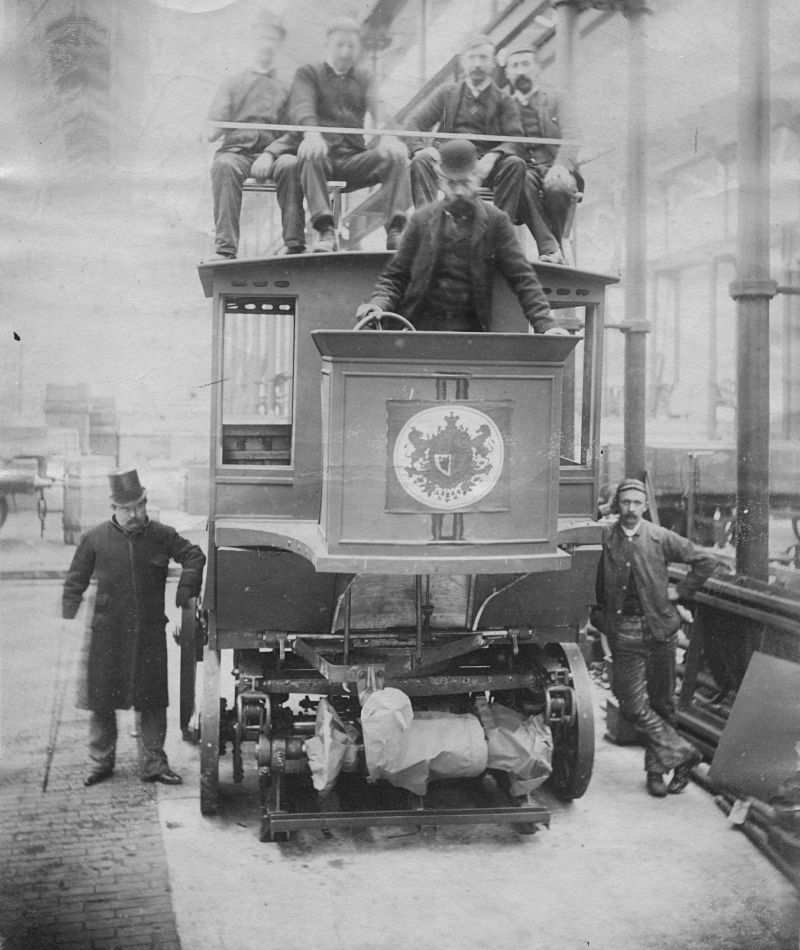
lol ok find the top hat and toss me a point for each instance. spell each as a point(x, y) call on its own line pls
point(459, 159)
point(125, 487)
point(631, 484)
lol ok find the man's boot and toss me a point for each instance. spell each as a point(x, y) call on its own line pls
point(327, 240)
point(656, 785)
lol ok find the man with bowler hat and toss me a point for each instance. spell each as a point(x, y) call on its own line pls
point(442, 274)
point(126, 655)
point(636, 611)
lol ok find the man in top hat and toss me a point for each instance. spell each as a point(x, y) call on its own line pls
point(339, 92)
point(256, 94)
point(442, 275)
point(552, 182)
point(473, 106)
point(126, 660)
point(636, 610)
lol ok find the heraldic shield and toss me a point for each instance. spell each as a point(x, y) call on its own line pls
point(448, 456)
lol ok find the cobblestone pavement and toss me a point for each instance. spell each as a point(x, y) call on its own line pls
point(80, 868)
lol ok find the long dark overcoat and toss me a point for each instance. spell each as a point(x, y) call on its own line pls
point(126, 661)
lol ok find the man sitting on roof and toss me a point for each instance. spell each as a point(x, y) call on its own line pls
point(473, 106)
point(255, 95)
point(339, 93)
point(552, 183)
point(442, 275)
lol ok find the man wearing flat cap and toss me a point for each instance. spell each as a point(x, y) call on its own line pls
point(442, 275)
point(474, 106)
point(636, 611)
point(256, 94)
point(339, 93)
point(552, 183)
point(126, 655)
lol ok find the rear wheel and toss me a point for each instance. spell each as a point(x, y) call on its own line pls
point(573, 738)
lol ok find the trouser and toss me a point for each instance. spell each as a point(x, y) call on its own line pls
point(544, 209)
point(228, 173)
point(506, 181)
point(152, 733)
point(643, 680)
point(358, 170)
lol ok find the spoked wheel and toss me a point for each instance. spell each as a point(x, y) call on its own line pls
point(573, 737)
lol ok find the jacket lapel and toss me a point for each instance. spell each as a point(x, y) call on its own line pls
point(492, 103)
point(481, 223)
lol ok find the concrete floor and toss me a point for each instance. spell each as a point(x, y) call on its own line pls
point(616, 870)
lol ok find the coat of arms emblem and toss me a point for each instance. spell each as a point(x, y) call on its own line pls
point(449, 456)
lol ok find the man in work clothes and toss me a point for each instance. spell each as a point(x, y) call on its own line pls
point(442, 274)
point(636, 610)
point(474, 106)
point(127, 650)
point(255, 95)
point(339, 93)
point(552, 182)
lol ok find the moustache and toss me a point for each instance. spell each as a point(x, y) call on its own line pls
point(523, 83)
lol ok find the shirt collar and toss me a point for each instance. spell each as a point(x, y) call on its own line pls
point(336, 71)
point(525, 97)
point(264, 72)
point(477, 90)
point(632, 532)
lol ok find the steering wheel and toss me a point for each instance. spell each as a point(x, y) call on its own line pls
point(374, 321)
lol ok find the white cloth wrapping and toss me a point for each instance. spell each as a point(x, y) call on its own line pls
point(408, 749)
point(522, 747)
point(331, 748)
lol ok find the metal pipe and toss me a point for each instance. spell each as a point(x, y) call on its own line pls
point(348, 598)
point(567, 12)
point(636, 325)
point(423, 42)
point(711, 410)
point(752, 291)
point(418, 598)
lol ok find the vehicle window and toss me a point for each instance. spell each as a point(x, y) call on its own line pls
point(258, 380)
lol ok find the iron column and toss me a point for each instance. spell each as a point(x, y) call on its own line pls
point(567, 12)
point(752, 291)
point(635, 325)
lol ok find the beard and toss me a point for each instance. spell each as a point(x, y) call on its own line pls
point(460, 204)
point(524, 84)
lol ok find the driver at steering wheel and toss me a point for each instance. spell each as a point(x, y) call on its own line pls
point(442, 274)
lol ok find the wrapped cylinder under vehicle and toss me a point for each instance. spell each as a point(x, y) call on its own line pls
point(408, 749)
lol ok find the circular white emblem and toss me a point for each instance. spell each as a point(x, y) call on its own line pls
point(449, 457)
